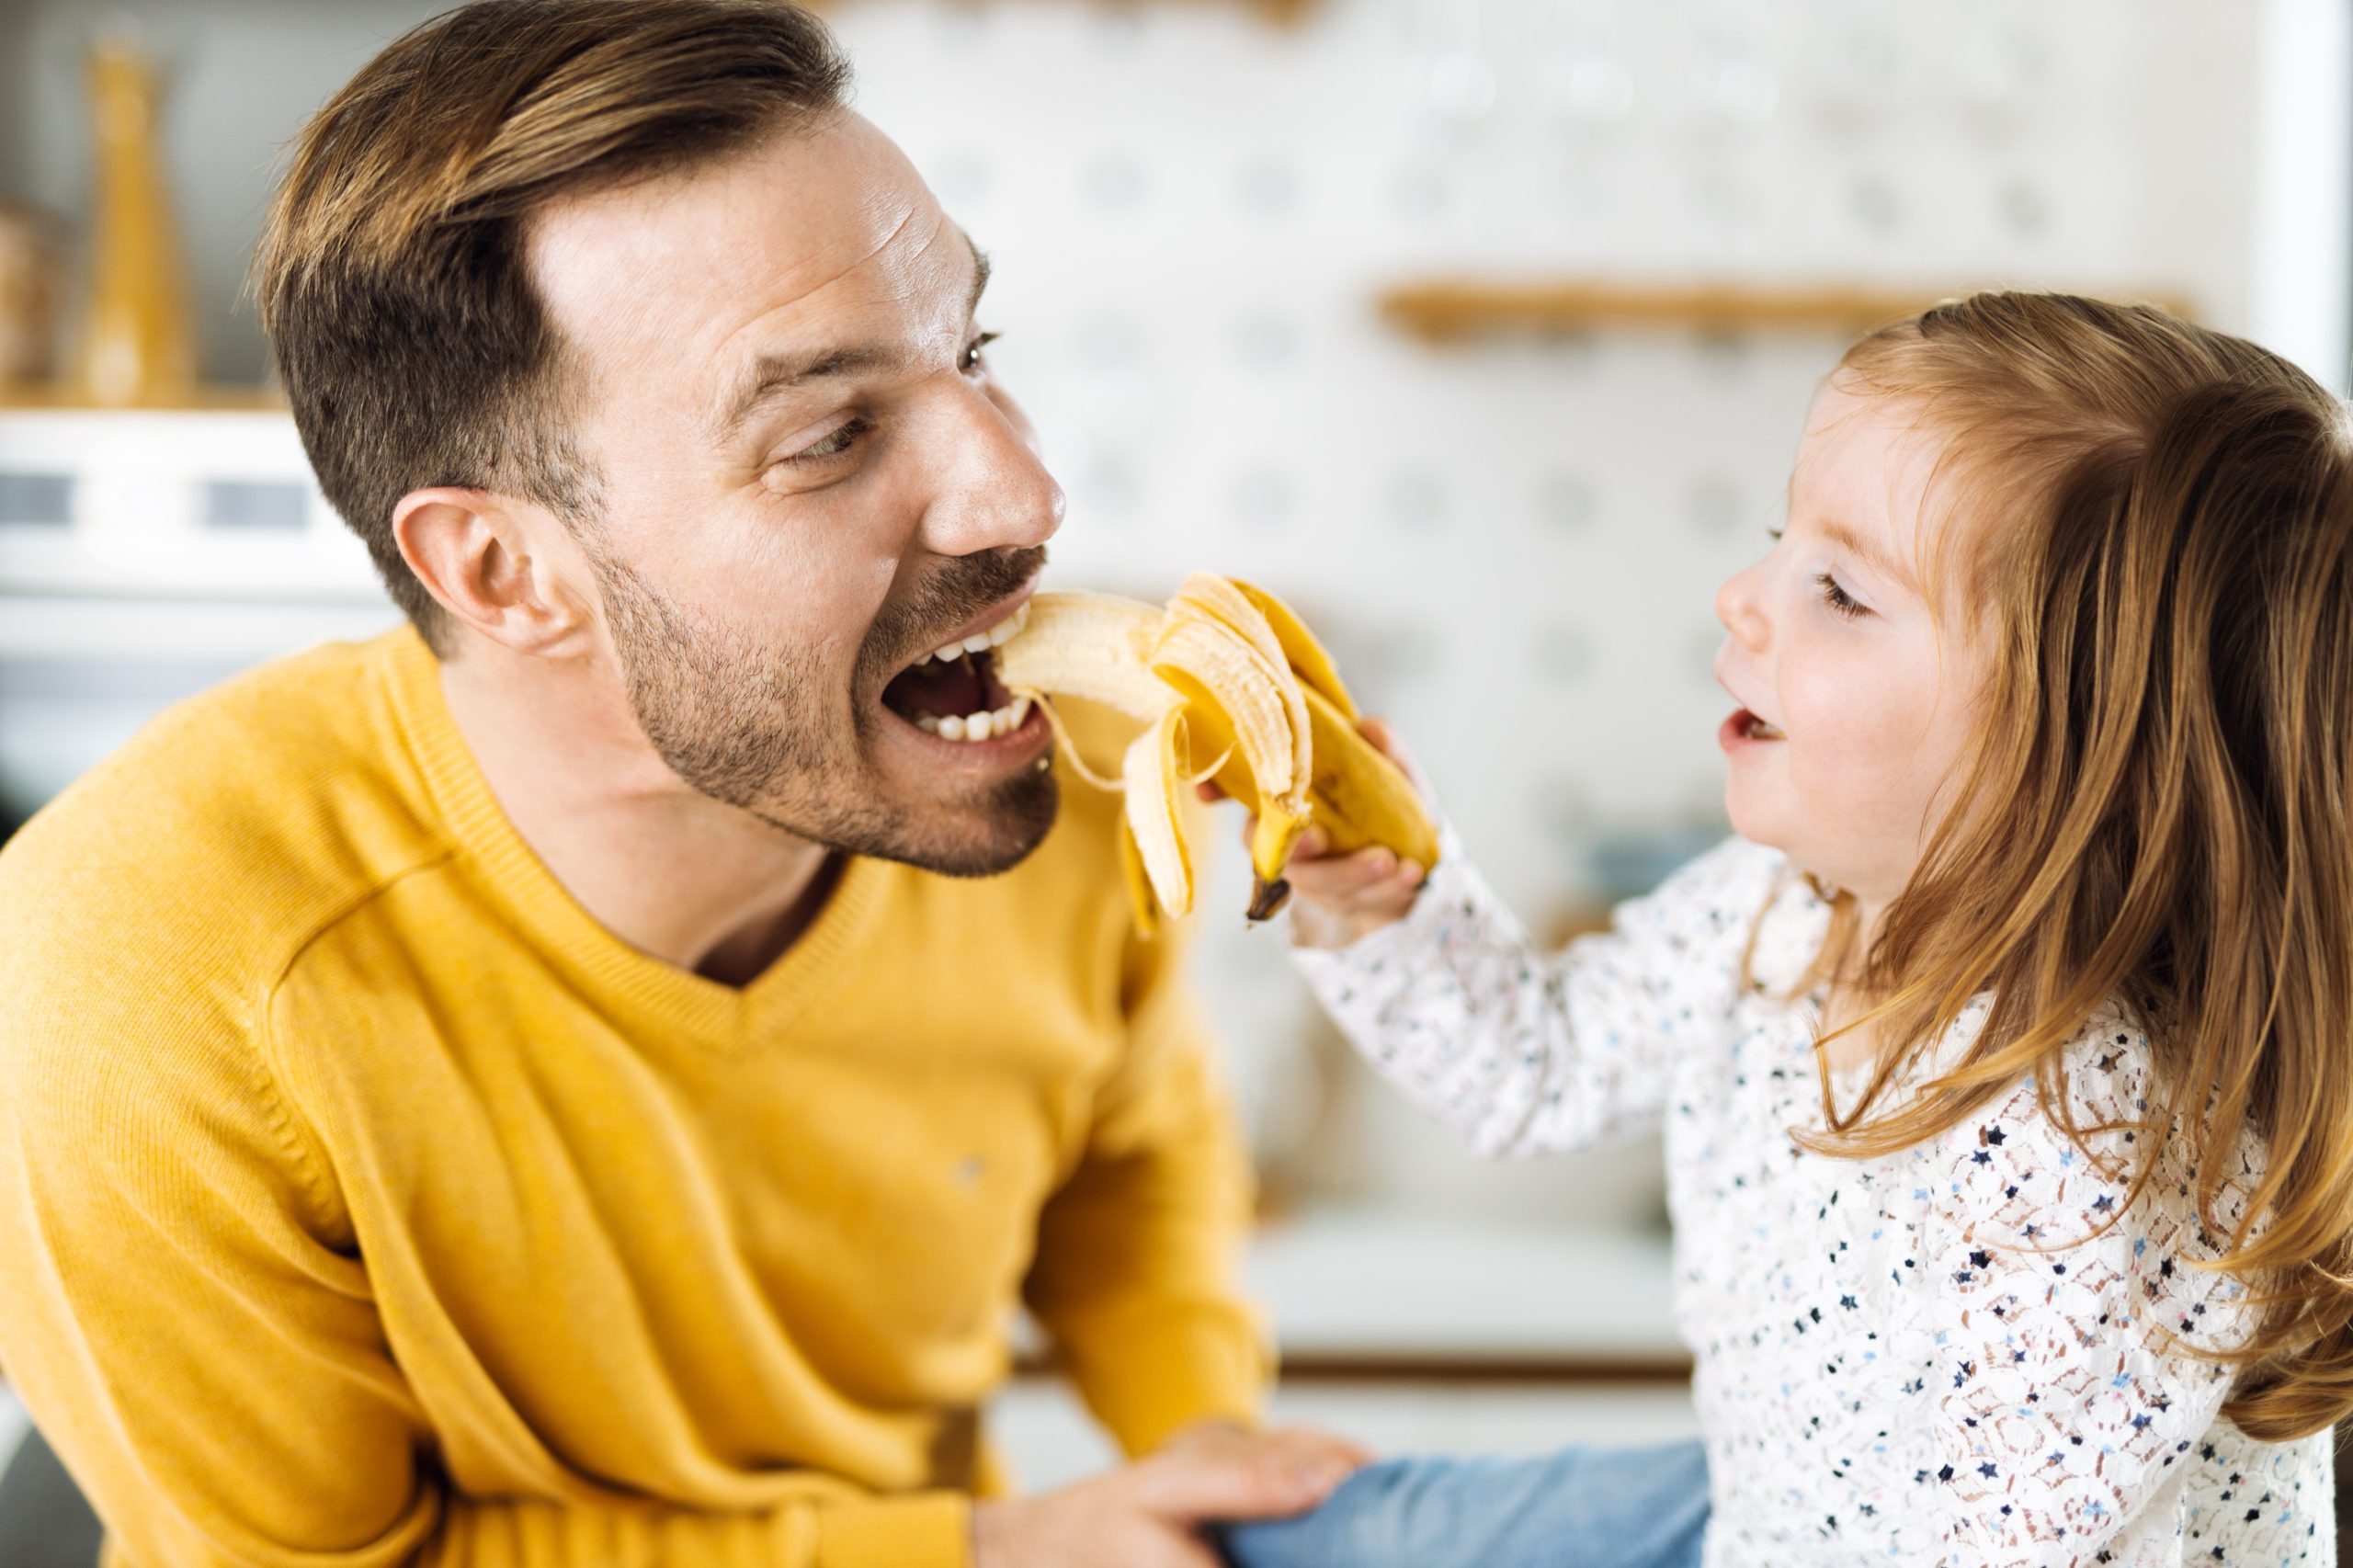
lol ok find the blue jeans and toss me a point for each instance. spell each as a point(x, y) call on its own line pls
point(1577, 1509)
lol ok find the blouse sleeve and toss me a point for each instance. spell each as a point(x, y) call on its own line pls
point(1520, 1052)
point(2061, 1323)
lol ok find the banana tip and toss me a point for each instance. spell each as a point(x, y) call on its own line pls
point(1266, 899)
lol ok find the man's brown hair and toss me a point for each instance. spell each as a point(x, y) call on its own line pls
point(393, 275)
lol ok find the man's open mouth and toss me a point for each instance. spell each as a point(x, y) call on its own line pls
point(953, 691)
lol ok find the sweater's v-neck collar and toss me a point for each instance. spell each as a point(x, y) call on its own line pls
point(659, 996)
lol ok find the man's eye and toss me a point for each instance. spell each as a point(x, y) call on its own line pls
point(841, 443)
point(971, 363)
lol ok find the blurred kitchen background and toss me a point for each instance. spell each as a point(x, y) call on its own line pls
point(1481, 329)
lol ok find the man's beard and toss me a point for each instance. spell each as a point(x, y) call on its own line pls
point(749, 725)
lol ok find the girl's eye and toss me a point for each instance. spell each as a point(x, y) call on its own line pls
point(840, 444)
point(1836, 597)
point(969, 361)
point(1775, 534)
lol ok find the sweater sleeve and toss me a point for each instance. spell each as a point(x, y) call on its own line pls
point(1522, 1053)
point(1138, 1250)
point(2061, 1326)
point(202, 1347)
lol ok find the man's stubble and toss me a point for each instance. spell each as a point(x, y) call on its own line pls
point(749, 724)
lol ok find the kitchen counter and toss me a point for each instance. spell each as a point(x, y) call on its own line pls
point(1424, 1334)
point(1363, 1288)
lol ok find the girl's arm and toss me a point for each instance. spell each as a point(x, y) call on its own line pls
point(1522, 1053)
point(2068, 1410)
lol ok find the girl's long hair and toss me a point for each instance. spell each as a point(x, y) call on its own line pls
point(2159, 540)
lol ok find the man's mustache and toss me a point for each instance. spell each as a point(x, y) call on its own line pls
point(959, 591)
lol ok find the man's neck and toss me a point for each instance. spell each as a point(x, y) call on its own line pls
point(689, 879)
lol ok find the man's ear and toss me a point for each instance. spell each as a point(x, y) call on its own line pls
point(508, 569)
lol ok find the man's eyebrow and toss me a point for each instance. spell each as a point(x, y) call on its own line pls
point(981, 270)
point(771, 375)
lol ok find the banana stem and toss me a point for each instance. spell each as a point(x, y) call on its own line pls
point(1266, 899)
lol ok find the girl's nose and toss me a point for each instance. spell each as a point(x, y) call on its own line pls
point(1738, 609)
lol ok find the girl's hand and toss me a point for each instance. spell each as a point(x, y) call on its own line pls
point(1337, 900)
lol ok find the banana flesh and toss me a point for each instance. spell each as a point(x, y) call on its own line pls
point(1227, 685)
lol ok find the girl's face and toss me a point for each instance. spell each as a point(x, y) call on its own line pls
point(1856, 700)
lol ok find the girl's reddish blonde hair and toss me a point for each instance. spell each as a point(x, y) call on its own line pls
point(2157, 545)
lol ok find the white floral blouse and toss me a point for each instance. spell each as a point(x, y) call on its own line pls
point(1952, 1355)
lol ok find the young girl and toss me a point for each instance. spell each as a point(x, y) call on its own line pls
point(2005, 1058)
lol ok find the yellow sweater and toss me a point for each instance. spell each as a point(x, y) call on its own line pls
point(363, 1201)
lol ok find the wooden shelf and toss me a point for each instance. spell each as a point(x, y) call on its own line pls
point(1453, 309)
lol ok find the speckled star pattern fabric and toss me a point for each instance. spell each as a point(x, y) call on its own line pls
point(1972, 1352)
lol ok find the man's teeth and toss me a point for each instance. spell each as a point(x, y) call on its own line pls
point(982, 642)
point(977, 727)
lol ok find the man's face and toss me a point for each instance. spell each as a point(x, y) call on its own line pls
point(808, 481)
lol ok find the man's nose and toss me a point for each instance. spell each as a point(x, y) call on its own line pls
point(1738, 608)
point(994, 492)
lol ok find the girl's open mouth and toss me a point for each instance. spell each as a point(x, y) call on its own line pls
point(1746, 728)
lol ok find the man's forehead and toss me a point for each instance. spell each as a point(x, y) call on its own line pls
point(823, 351)
point(684, 263)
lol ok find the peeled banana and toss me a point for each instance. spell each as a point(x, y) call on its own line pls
point(1230, 686)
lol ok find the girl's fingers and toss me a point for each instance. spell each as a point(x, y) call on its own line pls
point(1312, 844)
point(1370, 886)
point(1344, 870)
point(1369, 882)
point(1343, 876)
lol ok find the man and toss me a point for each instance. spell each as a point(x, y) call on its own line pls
point(585, 1079)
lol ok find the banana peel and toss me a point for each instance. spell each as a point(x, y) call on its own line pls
point(1227, 685)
